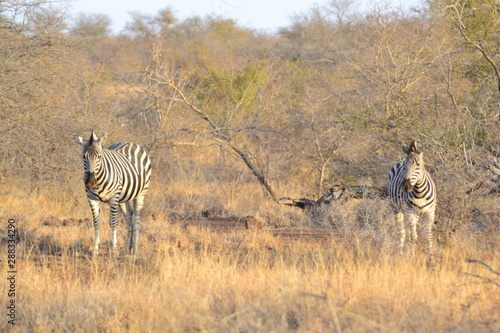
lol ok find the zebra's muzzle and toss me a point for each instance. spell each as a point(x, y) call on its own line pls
point(91, 180)
point(408, 187)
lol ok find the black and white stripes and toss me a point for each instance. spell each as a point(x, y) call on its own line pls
point(118, 175)
point(413, 194)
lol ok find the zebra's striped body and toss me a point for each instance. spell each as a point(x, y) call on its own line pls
point(413, 194)
point(118, 175)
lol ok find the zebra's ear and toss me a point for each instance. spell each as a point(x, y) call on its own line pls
point(95, 139)
point(103, 139)
point(79, 140)
point(406, 149)
point(414, 146)
point(411, 148)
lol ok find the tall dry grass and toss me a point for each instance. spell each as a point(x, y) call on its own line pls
point(195, 279)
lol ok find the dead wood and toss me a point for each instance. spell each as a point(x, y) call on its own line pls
point(484, 278)
point(336, 193)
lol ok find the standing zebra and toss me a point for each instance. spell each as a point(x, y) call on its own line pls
point(413, 195)
point(118, 175)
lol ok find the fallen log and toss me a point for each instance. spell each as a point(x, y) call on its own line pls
point(336, 193)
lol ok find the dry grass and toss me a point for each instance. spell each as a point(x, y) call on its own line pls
point(195, 279)
point(191, 279)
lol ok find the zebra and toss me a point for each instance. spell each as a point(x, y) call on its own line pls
point(413, 195)
point(118, 175)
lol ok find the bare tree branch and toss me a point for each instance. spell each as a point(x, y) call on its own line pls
point(484, 264)
point(220, 136)
point(484, 278)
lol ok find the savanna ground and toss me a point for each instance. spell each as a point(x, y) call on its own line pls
point(196, 278)
point(235, 119)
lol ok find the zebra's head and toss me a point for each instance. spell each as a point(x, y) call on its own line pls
point(414, 165)
point(92, 152)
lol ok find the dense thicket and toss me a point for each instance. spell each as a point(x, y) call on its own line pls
point(328, 99)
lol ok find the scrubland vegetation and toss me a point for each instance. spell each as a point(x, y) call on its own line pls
point(196, 280)
point(235, 118)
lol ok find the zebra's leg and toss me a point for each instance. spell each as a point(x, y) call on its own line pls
point(401, 224)
point(137, 204)
point(95, 206)
point(127, 211)
point(113, 221)
point(429, 221)
point(413, 219)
